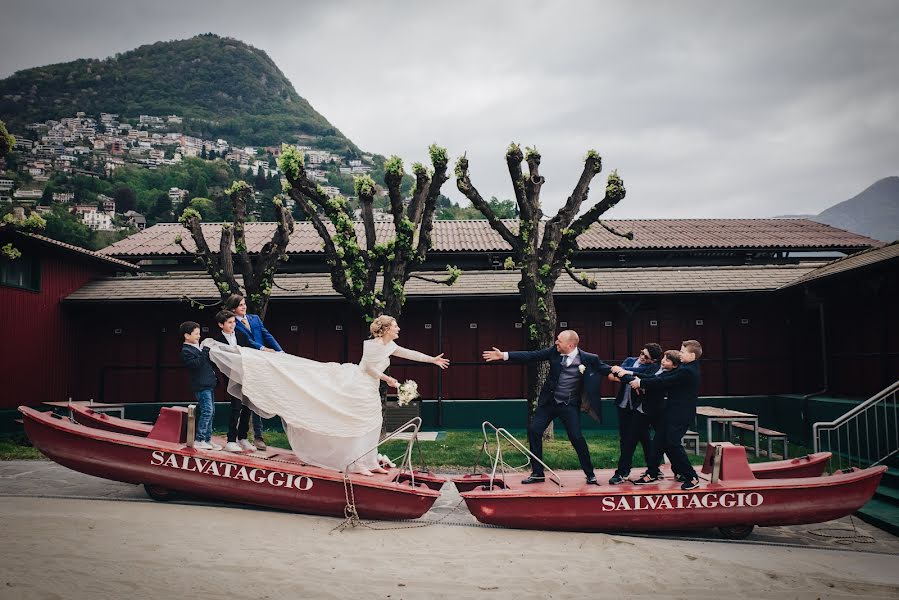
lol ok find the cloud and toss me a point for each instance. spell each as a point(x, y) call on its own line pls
point(706, 108)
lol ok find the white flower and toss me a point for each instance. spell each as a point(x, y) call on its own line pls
point(407, 392)
point(581, 368)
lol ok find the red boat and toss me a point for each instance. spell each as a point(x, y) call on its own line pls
point(810, 465)
point(734, 500)
point(164, 464)
point(91, 418)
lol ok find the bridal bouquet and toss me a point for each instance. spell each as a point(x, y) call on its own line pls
point(407, 392)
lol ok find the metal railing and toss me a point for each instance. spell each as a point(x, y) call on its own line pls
point(866, 435)
point(406, 462)
point(499, 463)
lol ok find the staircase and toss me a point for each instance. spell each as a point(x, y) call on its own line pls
point(883, 509)
point(865, 436)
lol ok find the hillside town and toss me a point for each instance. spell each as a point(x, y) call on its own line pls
point(84, 146)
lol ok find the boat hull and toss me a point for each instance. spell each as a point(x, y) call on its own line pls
point(811, 465)
point(663, 506)
point(268, 482)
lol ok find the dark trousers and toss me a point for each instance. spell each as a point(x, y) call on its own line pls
point(635, 431)
point(570, 416)
point(239, 420)
point(668, 441)
point(257, 426)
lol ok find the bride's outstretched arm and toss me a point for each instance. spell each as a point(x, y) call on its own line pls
point(420, 357)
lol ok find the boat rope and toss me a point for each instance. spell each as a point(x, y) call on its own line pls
point(352, 519)
point(842, 535)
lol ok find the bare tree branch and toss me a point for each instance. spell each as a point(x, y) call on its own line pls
point(464, 185)
point(584, 280)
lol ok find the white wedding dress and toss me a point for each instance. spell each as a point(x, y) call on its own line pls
point(331, 412)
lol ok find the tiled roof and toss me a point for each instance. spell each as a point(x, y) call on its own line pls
point(660, 280)
point(848, 263)
point(109, 260)
point(478, 236)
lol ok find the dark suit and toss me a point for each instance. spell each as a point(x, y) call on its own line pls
point(567, 410)
point(259, 338)
point(634, 425)
point(239, 419)
point(681, 385)
point(199, 368)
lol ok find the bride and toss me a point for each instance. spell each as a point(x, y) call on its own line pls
point(330, 411)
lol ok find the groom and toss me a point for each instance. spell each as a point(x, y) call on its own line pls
point(572, 373)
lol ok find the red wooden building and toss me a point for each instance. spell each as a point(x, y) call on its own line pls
point(41, 342)
point(751, 290)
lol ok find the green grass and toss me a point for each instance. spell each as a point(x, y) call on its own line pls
point(460, 449)
point(17, 447)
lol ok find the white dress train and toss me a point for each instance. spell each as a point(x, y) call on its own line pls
point(331, 412)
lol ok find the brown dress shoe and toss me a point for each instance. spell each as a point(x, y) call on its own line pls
point(259, 443)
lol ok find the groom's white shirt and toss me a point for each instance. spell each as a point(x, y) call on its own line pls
point(568, 357)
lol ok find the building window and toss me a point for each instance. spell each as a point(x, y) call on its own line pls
point(23, 272)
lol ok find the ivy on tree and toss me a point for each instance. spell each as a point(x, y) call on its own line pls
point(543, 250)
point(258, 270)
point(353, 268)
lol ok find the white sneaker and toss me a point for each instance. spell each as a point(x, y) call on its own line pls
point(214, 446)
point(246, 445)
point(202, 445)
point(232, 447)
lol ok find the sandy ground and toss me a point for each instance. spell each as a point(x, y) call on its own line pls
point(74, 548)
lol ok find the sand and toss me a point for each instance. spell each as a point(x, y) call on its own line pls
point(71, 548)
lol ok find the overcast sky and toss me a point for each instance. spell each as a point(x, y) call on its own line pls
point(707, 109)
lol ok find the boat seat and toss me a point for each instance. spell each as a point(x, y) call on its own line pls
point(171, 425)
point(763, 431)
point(734, 464)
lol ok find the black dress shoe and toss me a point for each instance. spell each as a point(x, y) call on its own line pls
point(617, 479)
point(591, 480)
point(534, 479)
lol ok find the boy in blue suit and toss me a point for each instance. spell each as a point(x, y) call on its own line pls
point(202, 383)
point(260, 339)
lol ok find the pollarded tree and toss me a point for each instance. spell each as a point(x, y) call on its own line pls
point(354, 269)
point(257, 271)
point(542, 256)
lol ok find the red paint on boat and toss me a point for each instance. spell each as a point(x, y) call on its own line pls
point(275, 480)
point(737, 499)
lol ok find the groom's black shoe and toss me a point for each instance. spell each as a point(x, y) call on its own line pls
point(534, 479)
point(591, 480)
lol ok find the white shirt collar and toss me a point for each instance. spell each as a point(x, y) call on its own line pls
point(197, 346)
point(231, 337)
point(573, 353)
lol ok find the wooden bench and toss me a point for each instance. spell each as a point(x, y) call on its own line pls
point(691, 436)
point(768, 433)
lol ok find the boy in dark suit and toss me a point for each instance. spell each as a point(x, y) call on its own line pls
point(635, 413)
point(682, 387)
point(202, 383)
point(239, 421)
point(572, 373)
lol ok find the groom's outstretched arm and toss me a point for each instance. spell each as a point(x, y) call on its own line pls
point(532, 355)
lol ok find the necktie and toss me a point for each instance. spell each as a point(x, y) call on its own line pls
point(246, 323)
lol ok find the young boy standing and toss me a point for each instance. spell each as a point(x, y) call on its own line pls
point(239, 421)
point(202, 383)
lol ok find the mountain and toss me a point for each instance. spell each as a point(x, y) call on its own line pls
point(222, 87)
point(874, 212)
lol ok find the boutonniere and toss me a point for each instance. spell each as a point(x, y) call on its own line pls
point(581, 368)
